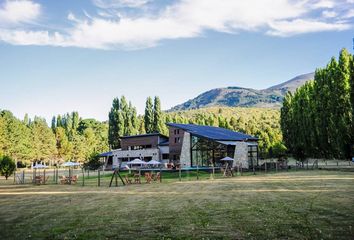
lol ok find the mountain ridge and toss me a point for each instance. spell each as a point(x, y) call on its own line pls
point(235, 96)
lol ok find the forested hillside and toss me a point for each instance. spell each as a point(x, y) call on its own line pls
point(271, 97)
point(317, 121)
point(260, 122)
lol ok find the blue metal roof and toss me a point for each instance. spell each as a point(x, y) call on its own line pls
point(214, 133)
point(106, 154)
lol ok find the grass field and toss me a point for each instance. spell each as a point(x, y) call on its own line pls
point(289, 205)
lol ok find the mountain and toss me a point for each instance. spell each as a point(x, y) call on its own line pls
point(271, 97)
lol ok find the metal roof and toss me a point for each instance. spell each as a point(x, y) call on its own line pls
point(214, 133)
point(145, 135)
point(166, 143)
point(106, 154)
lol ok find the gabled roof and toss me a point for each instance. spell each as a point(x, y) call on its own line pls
point(214, 133)
point(145, 135)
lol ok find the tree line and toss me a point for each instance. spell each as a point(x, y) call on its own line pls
point(317, 120)
point(68, 138)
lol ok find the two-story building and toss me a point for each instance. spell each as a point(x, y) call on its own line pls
point(188, 145)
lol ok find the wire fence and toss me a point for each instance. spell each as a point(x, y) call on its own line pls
point(99, 178)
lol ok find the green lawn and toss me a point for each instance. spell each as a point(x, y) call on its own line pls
point(288, 205)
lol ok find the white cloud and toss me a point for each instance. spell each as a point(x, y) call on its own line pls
point(329, 14)
point(300, 26)
point(21, 11)
point(184, 19)
point(323, 4)
point(120, 3)
point(349, 13)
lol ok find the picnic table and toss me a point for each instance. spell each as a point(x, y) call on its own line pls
point(40, 180)
point(69, 180)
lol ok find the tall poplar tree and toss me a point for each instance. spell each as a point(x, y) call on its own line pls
point(158, 118)
point(149, 116)
point(114, 125)
point(317, 120)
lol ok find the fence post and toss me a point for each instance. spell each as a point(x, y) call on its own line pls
point(23, 177)
point(99, 178)
point(180, 173)
point(83, 177)
point(265, 165)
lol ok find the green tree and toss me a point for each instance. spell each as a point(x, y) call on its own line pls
point(7, 166)
point(54, 124)
point(43, 140)
point(316, 121)
point(114, 125)
point(93, 162)
point(149, 116)
point(158, 118)
point(64, 147)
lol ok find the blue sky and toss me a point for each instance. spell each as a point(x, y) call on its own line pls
point(60, 56)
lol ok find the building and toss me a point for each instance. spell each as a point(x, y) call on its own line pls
point(153, 146)
point(188, 145)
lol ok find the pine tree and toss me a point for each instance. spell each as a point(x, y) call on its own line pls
point(53, 125)
point(26, 120)
point(59, 121)
point(43, 140)
point(113, 129)
point(352, 104)
point(134, 121)
point(157, 119)
point(149, 116)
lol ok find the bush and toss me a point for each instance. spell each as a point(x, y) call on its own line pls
point(7, 166)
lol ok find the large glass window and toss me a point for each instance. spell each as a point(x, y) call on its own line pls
point(205, 152)
point(252, 155)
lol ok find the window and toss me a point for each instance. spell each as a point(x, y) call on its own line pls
point(206, 152)
point(252, 155)
point(139, 147)
point(177, 131)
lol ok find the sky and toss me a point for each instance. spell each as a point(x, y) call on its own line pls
point(63, 56)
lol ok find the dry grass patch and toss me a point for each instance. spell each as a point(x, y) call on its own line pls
point(297, 205)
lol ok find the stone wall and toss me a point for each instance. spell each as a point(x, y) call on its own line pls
point(241, 154)
point(185, 158)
